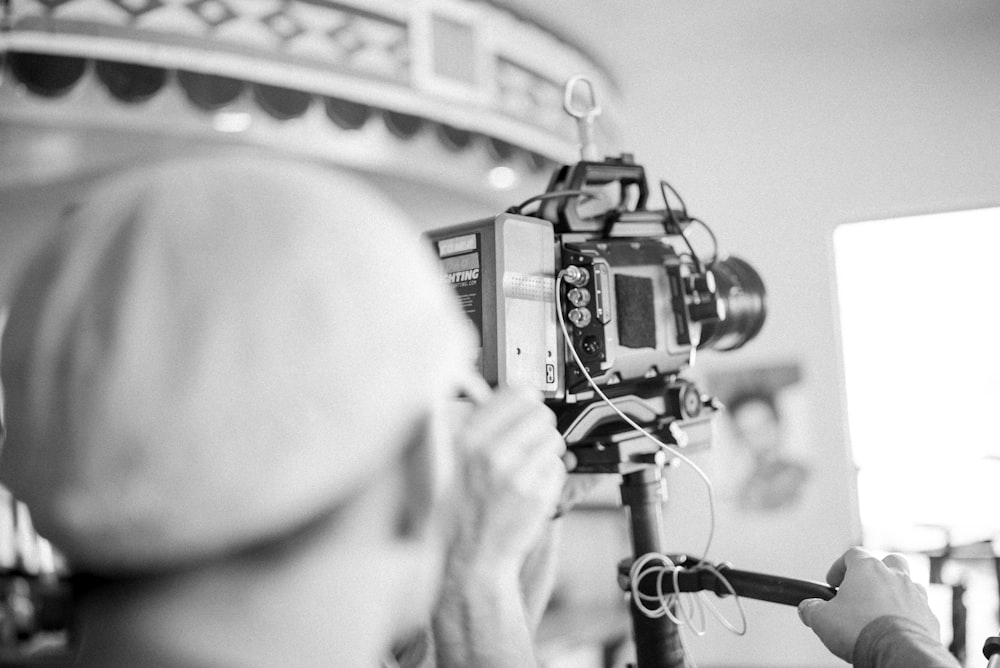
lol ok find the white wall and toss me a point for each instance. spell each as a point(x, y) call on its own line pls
point(778, 120)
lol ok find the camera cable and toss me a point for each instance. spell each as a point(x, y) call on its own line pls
point(667, 603)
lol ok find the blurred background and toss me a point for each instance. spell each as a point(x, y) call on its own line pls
point(848, 150)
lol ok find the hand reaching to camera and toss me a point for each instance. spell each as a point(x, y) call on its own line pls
point(512, 479)
point(869, 588)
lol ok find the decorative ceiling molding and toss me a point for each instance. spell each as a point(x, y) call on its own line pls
point(438, 90)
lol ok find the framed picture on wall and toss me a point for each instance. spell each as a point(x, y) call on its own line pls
point(762, 434)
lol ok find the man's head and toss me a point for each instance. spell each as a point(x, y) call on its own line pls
point(755, 418)
point(212, 352)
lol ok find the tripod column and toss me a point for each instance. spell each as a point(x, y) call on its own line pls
point(656, 640)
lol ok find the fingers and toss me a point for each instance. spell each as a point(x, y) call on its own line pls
point(896, 562)
point(808, 610)
point(476, 388)
point(524, 441)
point(577, 487)
point(835, 576)
point(544, 479)
point(507, 410)
point(827, 623)
point(511, 444)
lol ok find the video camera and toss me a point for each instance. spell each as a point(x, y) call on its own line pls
point(599, 302)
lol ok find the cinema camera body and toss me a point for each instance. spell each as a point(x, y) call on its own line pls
point(596, 294)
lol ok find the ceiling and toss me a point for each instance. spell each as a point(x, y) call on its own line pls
point(869, 108)
point(636, 39)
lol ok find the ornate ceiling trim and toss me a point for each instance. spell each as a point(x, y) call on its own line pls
point(307, 75)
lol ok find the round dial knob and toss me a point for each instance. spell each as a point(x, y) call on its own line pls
point(578, 296)
point(580, 317)
point(576, 276)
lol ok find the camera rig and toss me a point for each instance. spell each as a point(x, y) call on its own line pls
point(600, 302)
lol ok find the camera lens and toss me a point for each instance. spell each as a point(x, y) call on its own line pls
point(741, 289)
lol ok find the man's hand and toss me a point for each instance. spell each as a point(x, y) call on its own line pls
point(513, 476)
point(512, 480)
point(869, 588)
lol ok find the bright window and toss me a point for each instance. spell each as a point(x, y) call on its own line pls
point(919, 301)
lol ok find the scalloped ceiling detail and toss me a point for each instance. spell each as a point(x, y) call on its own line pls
point(390, 86)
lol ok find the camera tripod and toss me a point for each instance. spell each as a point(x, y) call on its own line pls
point(629, 453)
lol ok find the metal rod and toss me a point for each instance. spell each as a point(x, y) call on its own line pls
point(657, 641)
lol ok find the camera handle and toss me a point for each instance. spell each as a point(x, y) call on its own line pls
point(580, 103)
point(991, 650)
point(630, 177)
point(585, 112)
point(657, 640)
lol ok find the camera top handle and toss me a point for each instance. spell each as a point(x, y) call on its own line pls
point(571, 182)
point(576, 178)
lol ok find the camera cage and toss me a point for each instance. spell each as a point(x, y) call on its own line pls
point(577, 177)
point(663, 404)
point(626, 425)
point(638, 298)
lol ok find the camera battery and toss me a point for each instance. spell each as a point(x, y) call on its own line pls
point(503, 270)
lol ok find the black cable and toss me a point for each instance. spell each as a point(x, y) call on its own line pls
point(697, 260)
point(670, 212)
point(555, 194)
point(715, 241)
point(691, 259)
point(664, 185)
point(676, 223)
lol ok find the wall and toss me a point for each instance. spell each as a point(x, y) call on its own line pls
point(778, 120)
